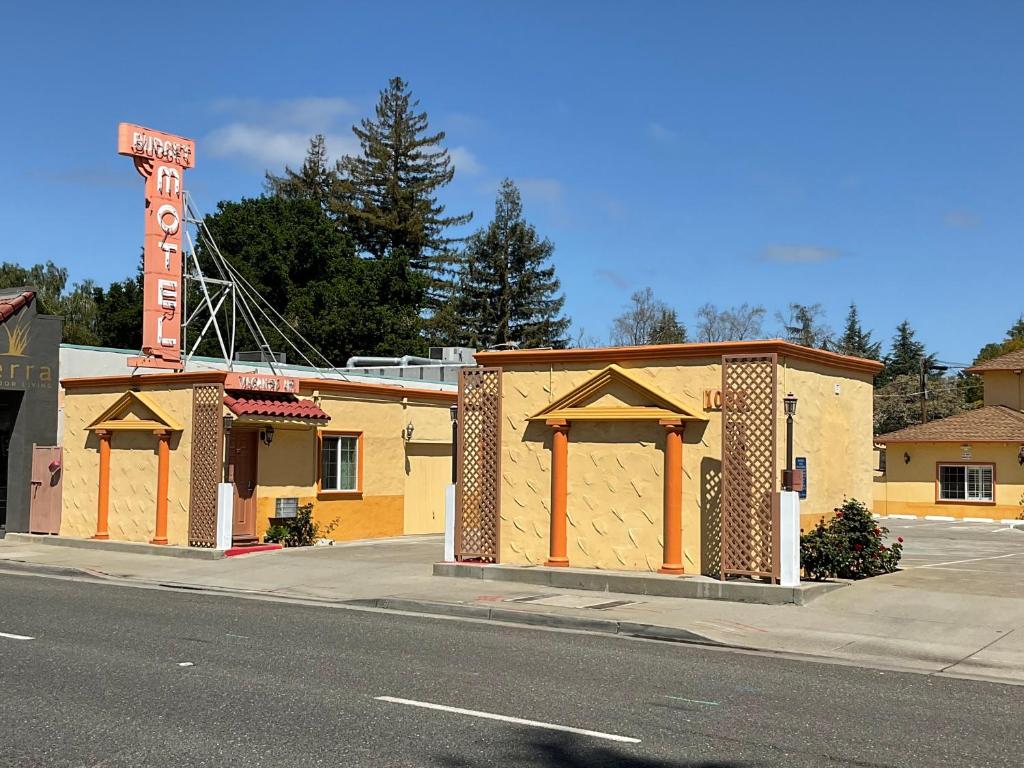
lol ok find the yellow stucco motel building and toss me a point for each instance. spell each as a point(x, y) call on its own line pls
point(656, 458)
point(144, 454)
point(967, 466)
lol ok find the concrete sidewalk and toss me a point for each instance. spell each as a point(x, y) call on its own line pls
point(957, 610)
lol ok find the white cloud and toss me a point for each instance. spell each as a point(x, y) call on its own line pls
point(961, 219)
point(542, 190)
point(465, 161)
point(273, 134)
point(799, 254)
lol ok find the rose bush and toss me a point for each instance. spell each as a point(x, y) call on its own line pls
point(849, 546)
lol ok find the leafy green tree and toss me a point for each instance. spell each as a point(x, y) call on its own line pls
point(508, 289)
point(805, 326)
point(387, 194)
point(904, 358)
point(647, 320)
point(295, 258)
point(1014, 340)
point(315, 180)
point(50, 282)
point(898, 401)
point(119, 310)
point(855, 341)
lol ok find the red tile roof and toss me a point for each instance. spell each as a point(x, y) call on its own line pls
point(276, 406)
point(991, 424)
point(11, 304)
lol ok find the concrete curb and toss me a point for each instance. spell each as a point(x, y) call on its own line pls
point(134, 547)
point(22, 566)
point(533, 619)
point(641, 584)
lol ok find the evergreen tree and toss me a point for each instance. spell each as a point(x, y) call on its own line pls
point(804, 328)
point(647, 320)
point(855, 341)
point(905, 357)
point(387, 195)
point(1014, 340)
point(315, 180)
point(509, 292)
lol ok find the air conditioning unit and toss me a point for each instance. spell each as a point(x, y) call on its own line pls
point(258, 356)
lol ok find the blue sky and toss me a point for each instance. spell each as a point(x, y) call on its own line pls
point(719, 152)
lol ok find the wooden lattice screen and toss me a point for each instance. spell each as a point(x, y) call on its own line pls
point(207, 406)
point(749, 451)
point(478, 493)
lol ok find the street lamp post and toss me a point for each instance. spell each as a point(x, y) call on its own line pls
point(454, 413)
point(789, 406)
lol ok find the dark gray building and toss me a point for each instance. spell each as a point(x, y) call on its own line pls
point(29, 384)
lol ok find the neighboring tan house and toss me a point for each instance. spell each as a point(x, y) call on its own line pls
point(966, 466)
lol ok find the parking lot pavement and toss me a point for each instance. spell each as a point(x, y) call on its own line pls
point(979, 558)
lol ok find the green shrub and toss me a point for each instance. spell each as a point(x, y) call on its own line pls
point(299, 531)
point(849, 546)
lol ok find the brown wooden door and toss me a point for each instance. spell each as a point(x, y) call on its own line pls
point(244, 450)
point(44, 504)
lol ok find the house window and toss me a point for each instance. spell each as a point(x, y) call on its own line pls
point(339, 463)
point(966, 482)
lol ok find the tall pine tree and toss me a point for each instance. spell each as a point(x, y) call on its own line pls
point(387, 194)
point(855, 341)
point(905, 356)
point(509, 291)
point(315, 180)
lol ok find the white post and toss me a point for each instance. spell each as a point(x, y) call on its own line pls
point(225, 514)
point(449, 523)
point(789, 539)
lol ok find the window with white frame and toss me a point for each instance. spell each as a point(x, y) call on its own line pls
point(339, 463)
point(966, 482)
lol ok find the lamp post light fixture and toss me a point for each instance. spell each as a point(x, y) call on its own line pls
point(228, 421)
point(409, 429)
point(789, 407)
point(453, 411)
point(267, 435)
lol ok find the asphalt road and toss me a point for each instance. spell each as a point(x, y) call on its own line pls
point(272, 684)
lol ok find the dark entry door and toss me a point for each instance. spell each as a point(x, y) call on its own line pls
point(244, 449)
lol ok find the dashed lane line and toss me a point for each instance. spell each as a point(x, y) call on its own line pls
point(11, 636)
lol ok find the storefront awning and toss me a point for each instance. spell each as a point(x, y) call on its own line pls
point(276, 406)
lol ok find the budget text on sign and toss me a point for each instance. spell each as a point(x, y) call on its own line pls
point(161, 159)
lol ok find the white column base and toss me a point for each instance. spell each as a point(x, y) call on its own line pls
point(225, 514)
point(449, 524)
point(789, 539)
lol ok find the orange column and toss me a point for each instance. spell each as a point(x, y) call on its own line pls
point(559, 492)
point(103, 494)
point(673, 513)
point(163, 472)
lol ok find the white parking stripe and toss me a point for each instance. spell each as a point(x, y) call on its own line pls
point(507, 719)
point(971, 560)
point(9, 636)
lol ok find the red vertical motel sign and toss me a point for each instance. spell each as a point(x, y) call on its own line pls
point(161, 159)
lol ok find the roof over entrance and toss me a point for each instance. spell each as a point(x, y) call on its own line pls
point(616, 394)
point(991, 424)
point(275, 406)
point(134, 411)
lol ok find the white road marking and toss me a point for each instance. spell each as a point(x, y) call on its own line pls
point(10, 636)
point(694, 701)
point(971, 560)
point(185, 664)
point(507, 719)
point(941, 518)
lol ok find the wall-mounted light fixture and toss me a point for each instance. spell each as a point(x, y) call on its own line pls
point(409, 429)
point(267, 435)
point(906, 457)
point(1020, 456)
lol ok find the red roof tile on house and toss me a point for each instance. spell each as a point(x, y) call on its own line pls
point(11, 304)
point(275, 406)
point(991, 424)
